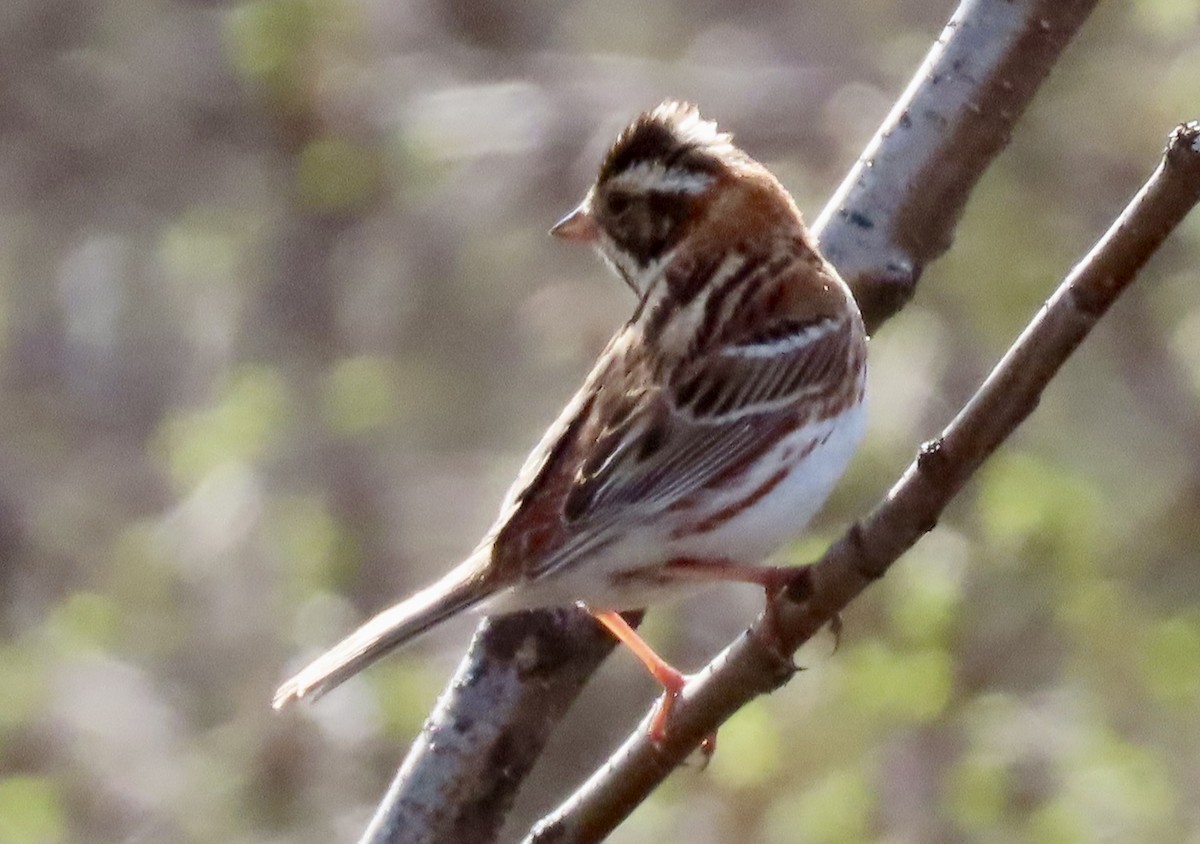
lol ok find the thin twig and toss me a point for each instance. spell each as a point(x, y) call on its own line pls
point(894, 213)
point(748, 668)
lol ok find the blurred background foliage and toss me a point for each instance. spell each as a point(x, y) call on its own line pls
point(279, 320)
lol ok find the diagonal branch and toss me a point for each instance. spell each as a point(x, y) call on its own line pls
point(895, 212)
point(897, 209)
point(520, 675)
point(748, 667)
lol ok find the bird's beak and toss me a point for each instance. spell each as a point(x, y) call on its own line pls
point(579, 226)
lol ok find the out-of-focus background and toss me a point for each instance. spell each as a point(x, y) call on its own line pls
point(279, 320)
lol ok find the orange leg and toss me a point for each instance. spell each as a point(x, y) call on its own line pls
point(668, 677)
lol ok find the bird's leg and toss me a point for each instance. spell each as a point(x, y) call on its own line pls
point(670, 678)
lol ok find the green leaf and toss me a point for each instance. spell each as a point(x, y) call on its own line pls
point(24, 690)
point(977, 792)
point(1172, 662)
point(837, 810)
point(31, 811)
point(269, 42)
point(1166, 18)
point(360, 395)
point(751, 750)
point(1123, 787)
point(925, 594)
point(406, 688)
point(336, 175)
point(310, 542)
point(86, 621)
point(1031, 508)
point(1057, 823)
point(241, 426)
point(899, 687)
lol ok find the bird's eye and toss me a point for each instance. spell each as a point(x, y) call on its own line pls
point(618, 203)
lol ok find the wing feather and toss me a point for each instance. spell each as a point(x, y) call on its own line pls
point(715, 413)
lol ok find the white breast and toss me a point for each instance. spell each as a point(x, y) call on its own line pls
point(782, 514)
point(749, 537)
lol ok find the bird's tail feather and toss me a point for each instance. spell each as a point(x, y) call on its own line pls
point(463, 587)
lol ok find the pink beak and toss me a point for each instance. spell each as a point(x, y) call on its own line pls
point(578, 226)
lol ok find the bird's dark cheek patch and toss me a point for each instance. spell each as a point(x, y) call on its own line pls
point(651, 227)
point(669, 212)
point(635, 234)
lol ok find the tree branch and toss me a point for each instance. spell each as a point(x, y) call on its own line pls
point(894, 213)
point(748, 667)
point(897, 208)
point(520, 675)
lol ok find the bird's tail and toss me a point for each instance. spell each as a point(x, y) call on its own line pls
point(463, 587)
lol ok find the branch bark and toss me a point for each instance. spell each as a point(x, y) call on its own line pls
point(898, 207)
point(520, 675)
point(895, 212)
point(748, 667)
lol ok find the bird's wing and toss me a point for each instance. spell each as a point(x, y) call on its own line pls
point(715, 413)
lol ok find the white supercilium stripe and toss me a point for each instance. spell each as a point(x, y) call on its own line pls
point(652, 176)
point(784, 345)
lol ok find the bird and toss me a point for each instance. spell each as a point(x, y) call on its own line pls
point(711, 429)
